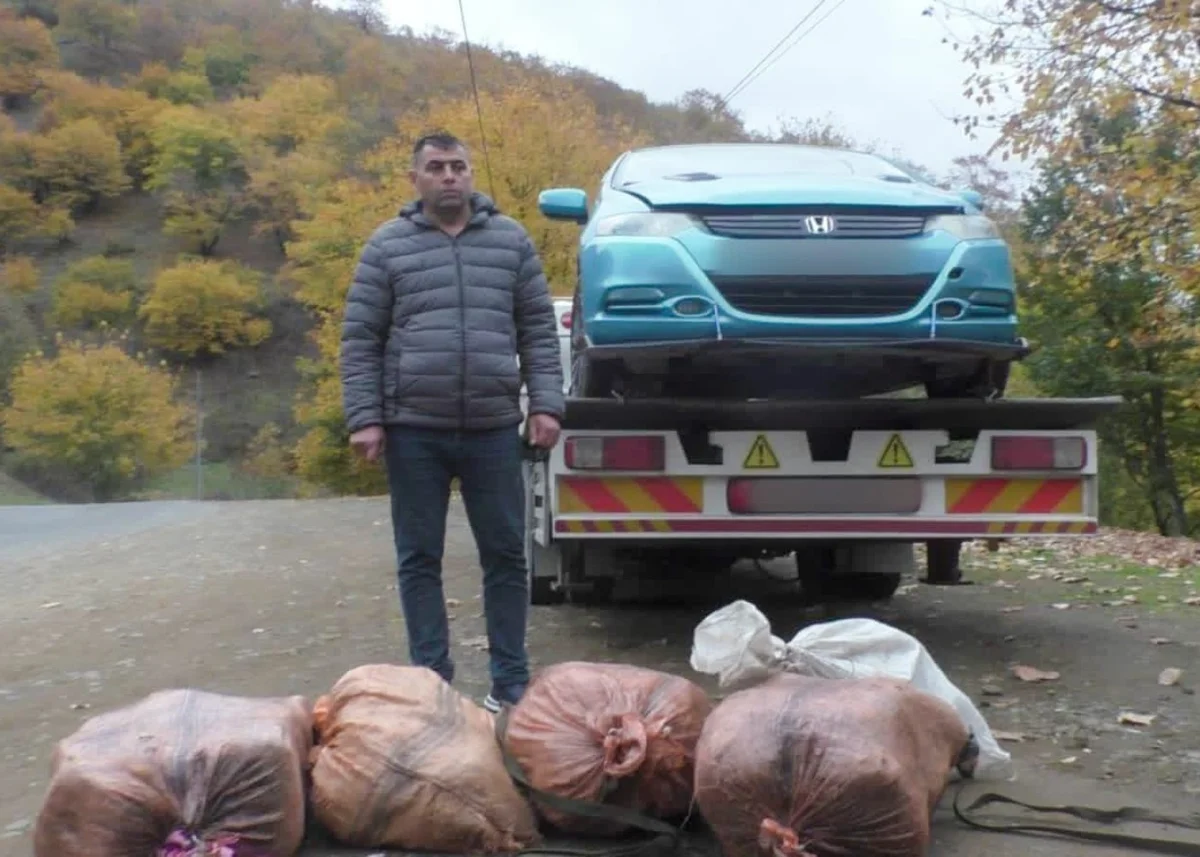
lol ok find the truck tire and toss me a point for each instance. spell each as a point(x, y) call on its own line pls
point(849, 585)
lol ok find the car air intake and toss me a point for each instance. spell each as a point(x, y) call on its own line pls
point(824, 296)
point(798, 226)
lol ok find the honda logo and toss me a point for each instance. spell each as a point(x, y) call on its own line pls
point(819, 224)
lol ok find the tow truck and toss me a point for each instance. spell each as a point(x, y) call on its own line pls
point(847, 487)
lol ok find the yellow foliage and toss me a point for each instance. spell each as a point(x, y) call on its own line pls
point(128, 114)
point(294, 111)
point(202, 306)
point(1083, 65)
point(97, 413)
point(95, 291)
point(198, 162)
point(19, 276)
point(27, 52)
point(79, 163)
point(537, 137)
point(19, 216)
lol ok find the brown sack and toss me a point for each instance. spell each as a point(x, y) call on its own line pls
point(808, 766)
point(405, 761)
point(608, 733)
point(179, 770)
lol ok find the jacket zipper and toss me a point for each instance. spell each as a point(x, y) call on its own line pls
point(462, 330)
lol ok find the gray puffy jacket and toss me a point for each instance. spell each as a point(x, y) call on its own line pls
point(434, 325)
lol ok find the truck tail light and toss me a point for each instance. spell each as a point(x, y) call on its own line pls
point(1038, 453)
point(616, 452)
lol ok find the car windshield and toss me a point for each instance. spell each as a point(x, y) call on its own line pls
point(700, 163)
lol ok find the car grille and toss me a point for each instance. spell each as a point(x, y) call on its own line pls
point(793, 226)
point(847, 296)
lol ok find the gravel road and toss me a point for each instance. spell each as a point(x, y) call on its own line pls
point(102, 605)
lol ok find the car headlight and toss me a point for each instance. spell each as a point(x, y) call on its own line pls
point(964, 226)
point(646, 225)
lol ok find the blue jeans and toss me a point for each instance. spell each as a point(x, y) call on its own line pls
point(420, 465)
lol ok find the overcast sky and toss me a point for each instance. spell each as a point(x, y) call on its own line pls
point(878, 67)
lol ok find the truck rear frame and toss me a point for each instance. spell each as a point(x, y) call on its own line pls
point(848, 486)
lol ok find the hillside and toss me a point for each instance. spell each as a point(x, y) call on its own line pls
point(151, 151)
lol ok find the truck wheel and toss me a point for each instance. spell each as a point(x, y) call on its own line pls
point(942, 562)
point(849, 585)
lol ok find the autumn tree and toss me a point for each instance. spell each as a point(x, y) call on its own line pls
point(202, 307)
point(198, 165)
point(19, 276)
point(126, 113)
point(27, 52)
point(1068, 63)
point(78, 164)
point(96, 291)
point(97, 414)
point(1115, 327)
point(103, 23)
point(19, 217)
point(291, 136)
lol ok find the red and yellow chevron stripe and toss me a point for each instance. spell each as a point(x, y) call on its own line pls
point(967, 496)
point(1031, 528)
point(635, 495)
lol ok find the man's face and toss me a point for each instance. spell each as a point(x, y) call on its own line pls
point(442, 178)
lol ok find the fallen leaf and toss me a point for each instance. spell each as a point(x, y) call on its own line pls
point(1170, 676)
point(1061, 605)
point(1194, 601)
point(50, 605)
point(476, 642)
point(1011, 737)
point(1160, 641)
point(1075, 578)
point(1070, 760)
point(991, 690)
point(453, 602)
point(1016, 609)
point(1033, 674)
point(1130, 718)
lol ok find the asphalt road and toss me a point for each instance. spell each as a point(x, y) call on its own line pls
point(103, 605)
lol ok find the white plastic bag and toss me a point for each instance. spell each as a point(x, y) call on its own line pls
point(735, 644)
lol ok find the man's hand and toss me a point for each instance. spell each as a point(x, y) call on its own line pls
point(543, 431)
point(368, 442)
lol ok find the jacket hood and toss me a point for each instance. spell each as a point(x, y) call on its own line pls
point(482, 207)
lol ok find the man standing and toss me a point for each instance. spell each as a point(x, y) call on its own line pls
point(446, 297)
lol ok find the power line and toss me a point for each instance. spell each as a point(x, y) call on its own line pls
point(788, 35)
point(478, 107)
point(738, 90)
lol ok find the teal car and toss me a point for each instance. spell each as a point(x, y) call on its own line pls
point(767, 270)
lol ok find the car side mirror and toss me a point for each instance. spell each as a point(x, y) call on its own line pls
point(564, 203)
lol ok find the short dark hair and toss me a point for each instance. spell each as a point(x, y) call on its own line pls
point(438, 139)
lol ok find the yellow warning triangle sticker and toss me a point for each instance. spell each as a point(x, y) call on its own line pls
point(895, 454)
point(760, 456)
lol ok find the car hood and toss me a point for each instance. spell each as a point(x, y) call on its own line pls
point(796, 190)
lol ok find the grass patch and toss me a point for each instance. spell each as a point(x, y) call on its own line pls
point(221, 481)
point(1032, 573)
